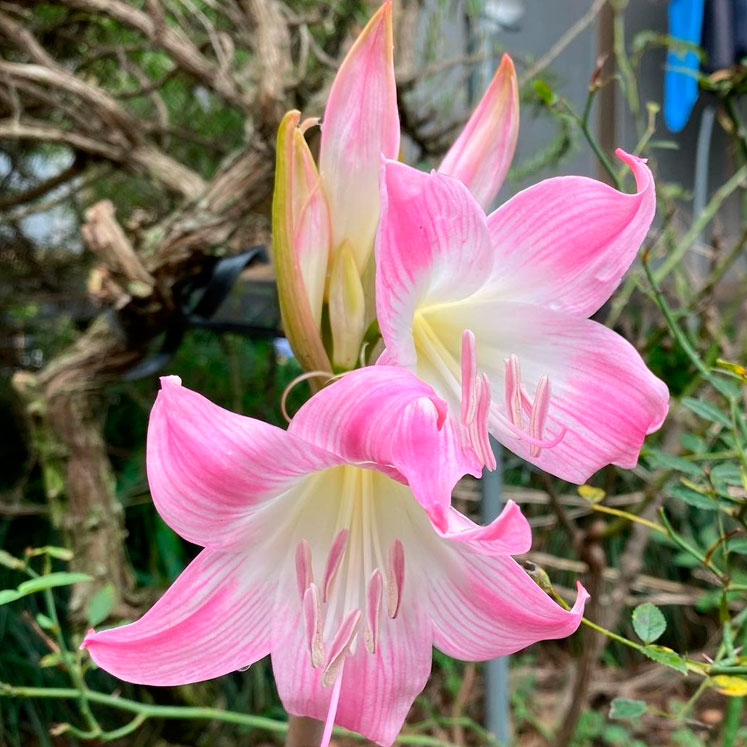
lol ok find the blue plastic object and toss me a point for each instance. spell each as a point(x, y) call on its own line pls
point(680, 78)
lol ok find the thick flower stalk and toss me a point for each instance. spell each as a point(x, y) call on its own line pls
point(568, 394)
point(324, 220)
point(333, 547)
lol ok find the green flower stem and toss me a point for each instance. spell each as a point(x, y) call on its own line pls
point(630, 517)
point(714, 205)
point(147, 710)
point(687, 547)
point(674, 327)
point(68, 659)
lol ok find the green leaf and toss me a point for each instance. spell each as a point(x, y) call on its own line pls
point(60, 553)
point(648, 622)
point(738, 545)
point(627, 708)
point(10, 561)
point(544, 92)
point(52, 580)
point(707, 411)
point(44, 622)
point(692, 497)
point(9, 595)
point(694, 443)
point(667, 657)
point(662, 460)
point(101, 605)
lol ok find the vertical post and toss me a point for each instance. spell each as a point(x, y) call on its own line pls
point(497, 714)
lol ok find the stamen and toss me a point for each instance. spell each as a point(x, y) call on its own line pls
point(519, 401)
point(334, 558)
point(334, 700)
point(539, 413)
point(374, 593)
point(341, 646)
point(480, 434)
point(312, 616)
point(513, 390)
point(395, 578)
point(470, 381)
point(304, 571)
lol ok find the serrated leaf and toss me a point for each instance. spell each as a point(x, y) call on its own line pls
point(667, 657)
point(734, 687)
point(101, 605)
point(648, 622)
point(662, 460)
point(692, 497)
point(591, 494)
point(707, 411)
point(627, 708)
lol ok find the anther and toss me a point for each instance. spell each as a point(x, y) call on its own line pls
point(334, 558)
point(304, 571)
point(312, 617)
point(513, 390)
point(539, 413)
point(341, 646)
point(374, 593)
point(395, 578)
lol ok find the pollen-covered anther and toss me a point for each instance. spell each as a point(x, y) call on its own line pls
point(312, 617)
point(336, 553)
point(304, 571)
point(395, 581)
point(374, 594)
point(340, 647)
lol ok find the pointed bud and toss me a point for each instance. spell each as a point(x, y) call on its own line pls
point(294, 202)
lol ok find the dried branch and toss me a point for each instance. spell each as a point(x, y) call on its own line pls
point(40, 189)
point(179, 47)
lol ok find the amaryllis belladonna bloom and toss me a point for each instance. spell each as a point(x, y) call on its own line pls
point(332, 546)
point(324, 220)
point(568, 394)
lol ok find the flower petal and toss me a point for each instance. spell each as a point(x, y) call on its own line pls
point(482, 607)
point(601, 390)
point(210, 470)
point(432, 247)
point(377, 689)
point(393, 423)
point(214, 619)
point(482, 153)
point(566, 242)
point(360, 123)
point(508, 534)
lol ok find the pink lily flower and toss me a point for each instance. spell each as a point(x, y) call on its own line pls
point(333, 547)
point(324, 221)
point(568, 394)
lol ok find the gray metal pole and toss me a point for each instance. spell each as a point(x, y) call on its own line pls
point(497, 712)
